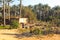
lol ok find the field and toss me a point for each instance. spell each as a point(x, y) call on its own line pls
point(12, 34)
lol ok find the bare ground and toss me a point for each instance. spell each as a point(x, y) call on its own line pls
point(6, 34)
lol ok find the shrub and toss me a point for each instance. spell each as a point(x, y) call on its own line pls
point(14, 24)
point(37, 31)
point(56, 22)
point(48, 30)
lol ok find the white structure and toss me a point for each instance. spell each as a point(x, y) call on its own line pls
point(23, 20)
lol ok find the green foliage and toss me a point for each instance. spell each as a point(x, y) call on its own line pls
point(48, 30)
point(14, 24)
point(28, 13)
point(5, 27)
point(1, 27)
point(37, 31)
point(56, 22)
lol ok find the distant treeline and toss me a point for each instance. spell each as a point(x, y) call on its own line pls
point(36, 12)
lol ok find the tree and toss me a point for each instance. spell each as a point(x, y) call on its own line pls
point(46, 10)
point(14, 8)
point(56, 11)
point(20, 7)
point(4, 10)
point(28, 13)
point(30, 6)
point(42, 11)
point(8, 2)
point(38, 10)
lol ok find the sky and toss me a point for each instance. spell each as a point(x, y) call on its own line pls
point(51, 3)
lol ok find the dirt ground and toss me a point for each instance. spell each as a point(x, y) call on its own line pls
point(12, 34)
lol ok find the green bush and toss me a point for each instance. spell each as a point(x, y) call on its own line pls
point(48, 30)
point(56, 22)
point(37, 31)
point(14, 24)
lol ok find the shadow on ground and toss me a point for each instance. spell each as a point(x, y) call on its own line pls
point(26, 34)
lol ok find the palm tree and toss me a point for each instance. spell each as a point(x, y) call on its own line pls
point(40, 10)
point(56, 11)
point(46, 9)
point(14, 7)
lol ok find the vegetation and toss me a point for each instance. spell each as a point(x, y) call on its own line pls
point(14, 24)
point(46, 18)
point(37, 31)
point(5, 27)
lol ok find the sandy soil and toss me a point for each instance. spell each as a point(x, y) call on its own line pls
point(54, 37)
point(7, 34)
point(12, 35)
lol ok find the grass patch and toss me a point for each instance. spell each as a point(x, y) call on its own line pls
point(5, 27)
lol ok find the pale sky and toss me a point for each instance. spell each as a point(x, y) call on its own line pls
point(51, 3)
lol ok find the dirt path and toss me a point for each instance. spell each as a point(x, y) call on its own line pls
point(7, 34)
point(11, 35)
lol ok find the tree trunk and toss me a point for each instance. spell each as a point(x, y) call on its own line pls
point(9, 11)
point(20, 7)
point(4, 12)
point(15, 11)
